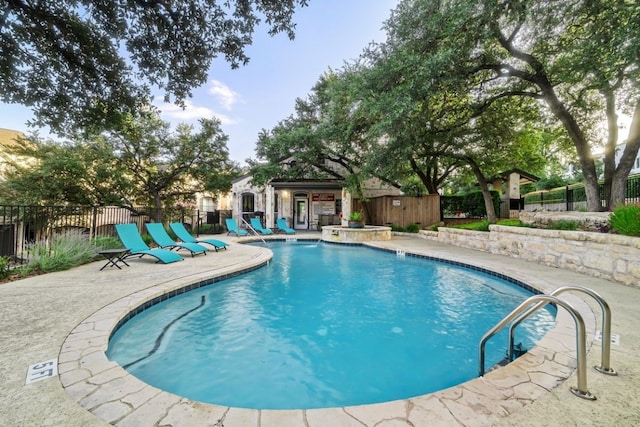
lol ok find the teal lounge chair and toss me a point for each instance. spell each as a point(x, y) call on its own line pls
point(162, 238)
point(131, 239)
point(232, 227)
point(255, 223)
point(281, 223)
point(184, 235)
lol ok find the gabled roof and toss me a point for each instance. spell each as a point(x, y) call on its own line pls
point(525, 177)
point(308, 183)
point(8, 136)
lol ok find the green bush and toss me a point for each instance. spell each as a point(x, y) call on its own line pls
point(470, 204)
point(5, 262)
point(147, 239)
point(626, 220)
point(564, 224)
point(397, 228)
point(63, 252)
point(413, 228)
point(211, 229)
point(105, 242)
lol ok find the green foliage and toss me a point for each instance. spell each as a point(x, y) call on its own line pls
point(413, 228)
point(147, 239)
point(564, 224)
point(145, 163)
point(470, 204)
point(76, 173)
point(625, 219)
point(167, 166)
point(211, 229)
point(484, 225)
point(90, 64)
point(511, 223)
point(107, 242)
point(356, 216)
point(550, 182)
point(5, 263)
point(398, 228)
point(64, 251)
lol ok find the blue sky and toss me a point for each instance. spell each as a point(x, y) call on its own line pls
point(258, 95)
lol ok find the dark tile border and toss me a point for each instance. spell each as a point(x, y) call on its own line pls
point(179, 291)
point(150, 303)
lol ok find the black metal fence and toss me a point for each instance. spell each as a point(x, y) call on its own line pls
point(22, 226)
point(573, 197)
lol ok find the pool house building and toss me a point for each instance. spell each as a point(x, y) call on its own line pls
point(306, 204)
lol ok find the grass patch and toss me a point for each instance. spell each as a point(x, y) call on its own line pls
point(626, 220)
point(564, 224)
point(484, 225)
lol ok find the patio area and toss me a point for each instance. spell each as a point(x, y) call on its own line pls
point(67, 315)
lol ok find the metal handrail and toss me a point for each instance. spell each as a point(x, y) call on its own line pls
point(581, 350)
point(604, 367)
point(255, 232)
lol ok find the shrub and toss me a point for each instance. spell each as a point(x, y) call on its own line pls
point(413, 228)
point(105, 242)
point(5, 262)
point(356, 216)
point(64, 251)
point(625, 220)
point(397, 228)
point(564, 224)
point(211, 229)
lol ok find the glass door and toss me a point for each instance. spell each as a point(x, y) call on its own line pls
point(301, 213)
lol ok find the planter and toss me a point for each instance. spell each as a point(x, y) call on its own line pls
point(355, 224)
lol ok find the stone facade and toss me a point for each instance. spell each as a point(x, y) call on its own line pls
point(608, 256)
point(587, 221)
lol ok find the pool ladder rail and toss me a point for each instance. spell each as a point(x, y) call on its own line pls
point(535, 303)
point(254, 231)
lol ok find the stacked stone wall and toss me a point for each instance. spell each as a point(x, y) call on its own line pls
point(609, 256)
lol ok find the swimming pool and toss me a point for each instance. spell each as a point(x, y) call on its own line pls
point(323, 326)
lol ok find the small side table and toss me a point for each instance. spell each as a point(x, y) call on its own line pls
point(114, 257)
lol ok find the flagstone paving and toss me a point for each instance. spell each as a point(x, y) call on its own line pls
point(69, 316)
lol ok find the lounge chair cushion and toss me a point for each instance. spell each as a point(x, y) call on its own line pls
point(131, 239)
point(184, 235)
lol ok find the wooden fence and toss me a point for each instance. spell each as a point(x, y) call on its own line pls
point(401, 210)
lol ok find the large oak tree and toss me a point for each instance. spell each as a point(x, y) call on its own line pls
point(580, 60)
point(89, 64)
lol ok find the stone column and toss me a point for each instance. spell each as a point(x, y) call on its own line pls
point(346, 207)
point(269, 221)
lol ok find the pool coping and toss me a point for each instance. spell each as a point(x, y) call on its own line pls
point(112, 394)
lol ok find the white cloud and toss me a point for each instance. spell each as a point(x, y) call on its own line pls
point(223, 94)
point(192, 113)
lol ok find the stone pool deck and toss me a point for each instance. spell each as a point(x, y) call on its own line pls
point(68, 316)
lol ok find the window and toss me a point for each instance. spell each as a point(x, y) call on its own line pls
point(276, 204)
point(248, 202)
point(207, 204)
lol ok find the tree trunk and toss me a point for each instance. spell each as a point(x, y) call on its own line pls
point(486, 194)
point(618, 190)
point(579, 141)
point(157, 207)
point(612, 141)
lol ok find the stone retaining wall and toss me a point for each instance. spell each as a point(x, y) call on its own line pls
point(609, 256)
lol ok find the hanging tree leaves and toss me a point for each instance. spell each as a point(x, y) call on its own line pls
point(89, 63)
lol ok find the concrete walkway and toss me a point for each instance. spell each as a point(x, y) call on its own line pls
point(68, 316)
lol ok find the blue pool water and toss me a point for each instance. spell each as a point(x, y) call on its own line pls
point(324, 326)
